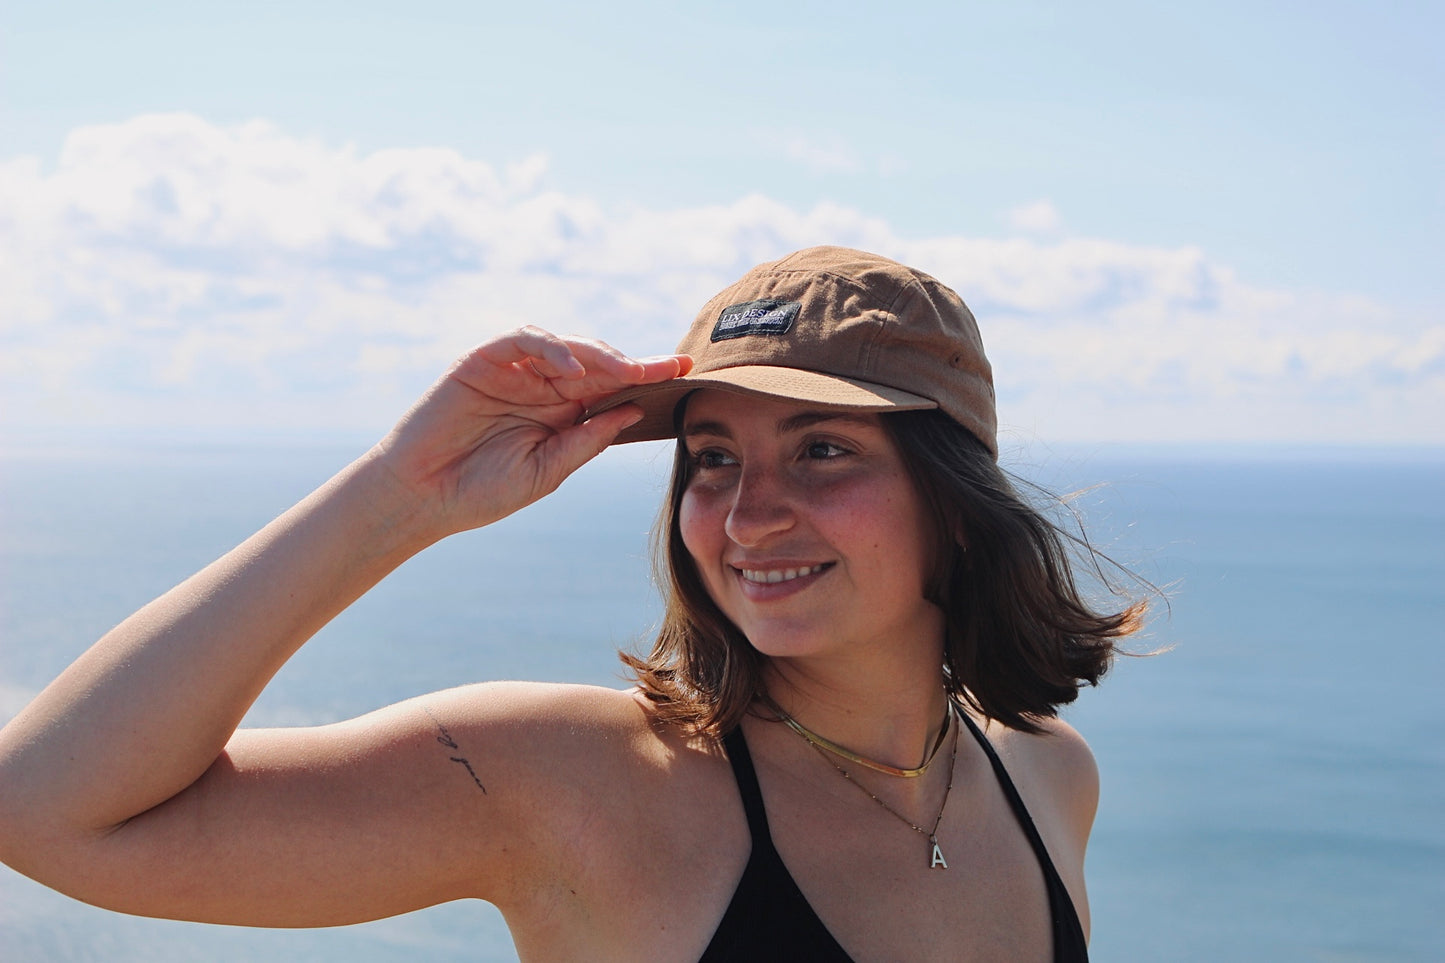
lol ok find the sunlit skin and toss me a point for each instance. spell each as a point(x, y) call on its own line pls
point(821, 499)
point(599, 833)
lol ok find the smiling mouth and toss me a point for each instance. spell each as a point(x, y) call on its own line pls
point(775, 575)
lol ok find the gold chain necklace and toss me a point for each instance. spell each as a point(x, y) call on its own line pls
point(818, 742)
point(936, 860)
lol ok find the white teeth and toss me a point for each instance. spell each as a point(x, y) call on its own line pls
point(773, 576)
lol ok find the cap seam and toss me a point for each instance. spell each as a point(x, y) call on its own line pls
point(872, 346)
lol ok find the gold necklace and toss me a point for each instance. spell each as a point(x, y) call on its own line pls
point(936, 860)
point(818, 742)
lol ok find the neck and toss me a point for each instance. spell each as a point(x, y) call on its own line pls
point(893, 720)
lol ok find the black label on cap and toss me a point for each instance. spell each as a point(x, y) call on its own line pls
point(768, 316)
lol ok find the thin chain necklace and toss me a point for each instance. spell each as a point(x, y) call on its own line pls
point(936, 860)
point(818, 742)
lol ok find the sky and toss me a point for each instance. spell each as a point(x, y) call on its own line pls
point(1175, 224)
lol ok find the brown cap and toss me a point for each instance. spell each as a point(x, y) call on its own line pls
point(836, 328)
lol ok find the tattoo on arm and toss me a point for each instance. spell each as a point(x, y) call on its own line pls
point(445, 738)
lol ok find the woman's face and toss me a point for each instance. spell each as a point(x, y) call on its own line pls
point(805, 527)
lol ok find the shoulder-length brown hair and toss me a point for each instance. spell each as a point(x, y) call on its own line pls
point(1020, 638)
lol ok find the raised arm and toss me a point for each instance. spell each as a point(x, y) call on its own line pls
point(117, 783)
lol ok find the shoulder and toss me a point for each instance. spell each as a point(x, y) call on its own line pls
point(539, 704)
point(542, 735)
point(544, 727)
point(599, 803)
point(1055, 772)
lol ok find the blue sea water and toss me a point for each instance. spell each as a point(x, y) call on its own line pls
point(1274, 784)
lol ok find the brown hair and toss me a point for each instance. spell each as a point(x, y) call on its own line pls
point(1020, 638)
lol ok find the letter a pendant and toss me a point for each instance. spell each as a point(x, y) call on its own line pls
point(938, 859)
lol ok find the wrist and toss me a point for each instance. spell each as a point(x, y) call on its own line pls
point(397, 519)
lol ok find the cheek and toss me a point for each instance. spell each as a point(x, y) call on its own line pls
point(701, 527)
point(902, 533)
point(696, 524)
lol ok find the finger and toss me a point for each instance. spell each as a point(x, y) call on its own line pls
point(664, 367)
point(542, 351)
point(602, 359)
point(577, 367)
point(570, 449)
point(605, 375)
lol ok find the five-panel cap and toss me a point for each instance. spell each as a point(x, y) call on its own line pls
point(835, 328)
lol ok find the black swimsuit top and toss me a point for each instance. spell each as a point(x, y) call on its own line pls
point(769, 917)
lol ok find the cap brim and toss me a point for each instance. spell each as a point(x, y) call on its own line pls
point(789, 384)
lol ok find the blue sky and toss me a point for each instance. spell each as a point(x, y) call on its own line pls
point(1174, 223)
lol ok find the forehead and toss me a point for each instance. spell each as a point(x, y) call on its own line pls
point(723, 412)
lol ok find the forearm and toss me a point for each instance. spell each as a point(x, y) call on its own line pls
point(147, 710)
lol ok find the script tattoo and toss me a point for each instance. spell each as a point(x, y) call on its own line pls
point(445, 738)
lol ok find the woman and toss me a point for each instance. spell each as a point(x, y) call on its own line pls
point(841, 746)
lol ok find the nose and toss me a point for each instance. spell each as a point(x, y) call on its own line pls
point(762, 507)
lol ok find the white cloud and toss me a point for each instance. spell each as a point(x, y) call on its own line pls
point(1036, 217)
point(169, 271)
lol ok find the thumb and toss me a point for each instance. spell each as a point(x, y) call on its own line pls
point(573, 447)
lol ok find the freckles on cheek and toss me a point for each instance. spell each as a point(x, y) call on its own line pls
point(693, 523)
point(702, 538)
point(687, 525)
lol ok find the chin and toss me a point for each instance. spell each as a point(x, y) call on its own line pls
point(776, 644)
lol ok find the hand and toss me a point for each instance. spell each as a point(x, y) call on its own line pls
point(499, 430)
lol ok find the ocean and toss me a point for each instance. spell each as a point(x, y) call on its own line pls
point(1273, 778)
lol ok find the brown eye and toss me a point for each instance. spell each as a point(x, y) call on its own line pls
point(710, 458)
point(823, 450)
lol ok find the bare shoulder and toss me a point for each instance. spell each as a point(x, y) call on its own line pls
point(1059, 751)
point(536, 704)
point(550, 746)
point(538, 720)
point(532, 737)
point(1055, 771)
point(579, 776)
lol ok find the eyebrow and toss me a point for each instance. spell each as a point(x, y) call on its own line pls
point(799, 422)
